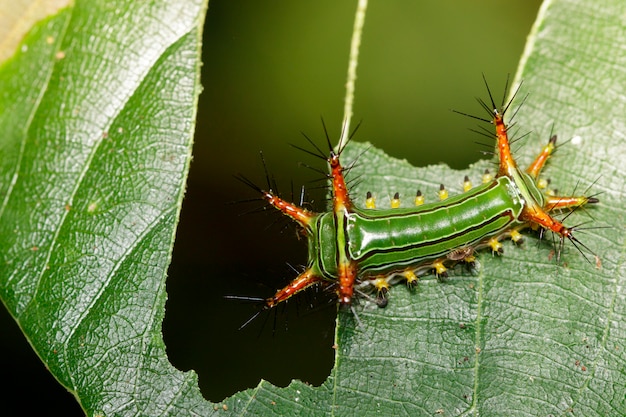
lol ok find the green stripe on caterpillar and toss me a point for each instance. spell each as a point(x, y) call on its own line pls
point(357, 249)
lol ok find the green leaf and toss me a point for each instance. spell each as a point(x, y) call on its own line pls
point(525, 335)
point(97, 112)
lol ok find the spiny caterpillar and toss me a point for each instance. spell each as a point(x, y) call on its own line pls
point(359, 248)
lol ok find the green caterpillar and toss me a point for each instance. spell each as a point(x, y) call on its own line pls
point(357, 248)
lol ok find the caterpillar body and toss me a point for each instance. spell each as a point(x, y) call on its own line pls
point(357, 248)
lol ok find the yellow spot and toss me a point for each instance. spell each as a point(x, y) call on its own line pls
point(549, 148)
point(419, 198)
point(487, 177)
point(516, 236)
point(60, 55)
point(440, 268)
point(542, 184)
point(470, 259)
point(395, 201)
point(411, 278)
point(443, 193)
point(381, 284)
point(496, 246)
point(370, 201)
point(467, 184)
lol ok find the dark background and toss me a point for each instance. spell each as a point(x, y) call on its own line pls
point(271, 70)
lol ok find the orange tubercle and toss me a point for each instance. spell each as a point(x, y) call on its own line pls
point(340, 190)
point(535, 168)
point(302, 216)
point(347, 277)
point(507, 163)
point(558, 202)
point(301, 282)
point(538, 216)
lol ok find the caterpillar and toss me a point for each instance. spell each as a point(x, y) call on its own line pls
point(357, 249)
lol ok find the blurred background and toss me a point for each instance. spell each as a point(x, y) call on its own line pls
point(271, 70)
